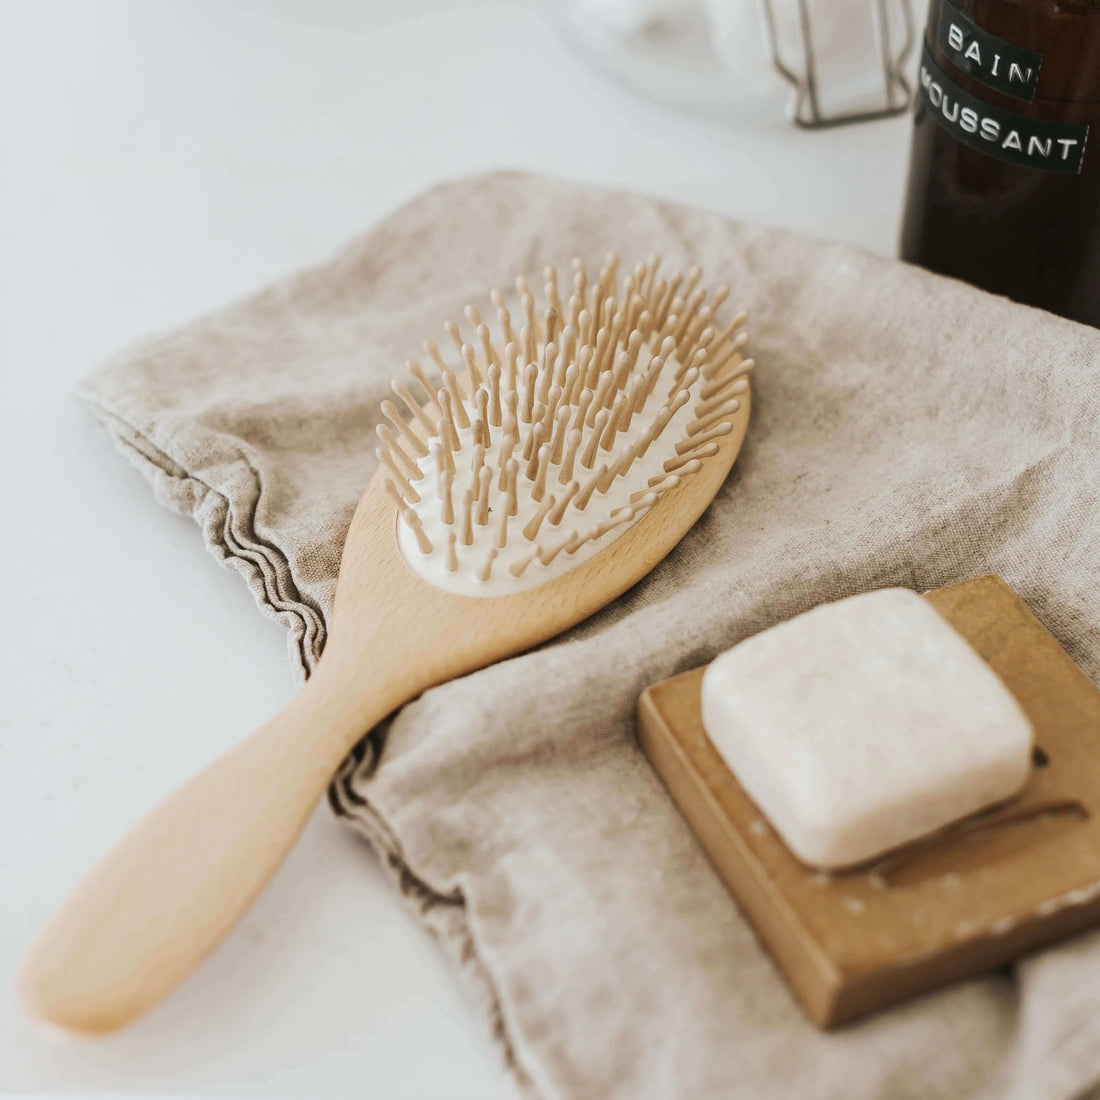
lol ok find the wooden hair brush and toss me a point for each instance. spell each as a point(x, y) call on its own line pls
point(558, 457)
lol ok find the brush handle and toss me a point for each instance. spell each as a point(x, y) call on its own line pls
point(161, 901)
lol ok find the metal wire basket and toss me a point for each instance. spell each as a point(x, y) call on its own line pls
point(804, 107)
point(717, 58)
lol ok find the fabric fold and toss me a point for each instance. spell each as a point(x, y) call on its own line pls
point(907, 430)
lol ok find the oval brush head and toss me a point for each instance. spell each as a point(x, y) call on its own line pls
point(555, 429)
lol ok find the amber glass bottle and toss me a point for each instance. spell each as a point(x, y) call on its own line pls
point(1004, 175)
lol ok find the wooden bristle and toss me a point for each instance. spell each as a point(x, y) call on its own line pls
point(607, 439)
point(433, 350)
point(531, 530)
point(446, 497)
point(477, 461)
point(724, 412)
point(500, 538)
point(385, 456)
point(720, 390)
point(557, 513)
point(518, 568)
point(468, 518)
point(553, 399)
point(569, 385)
point(456, 408)
point(716, 432)
point(541, 470)
point(547, 555)
point(507, 446)
point(744, 367)
point(623, 515)
point(531, 450)
point(485, 570)
point(410, 469)
point(530, 382)
point(511, 487)
point(603, 388)
point(505, 319)
point(494, 410)
point(692, 466)
point(589, 455)
point(447, 429)
point(483, 483)
point(469, 361)
point(658, 485)
point(481, 431)
point(410, 517)
point(546, 373)
point(573, 441)
point(487, 349)
point(684, 382)
point(442, 455)
point(708, 450)
point(417, 373)
point(402, 390)
point(559, 434)
point(481, 402)
point(529, 340)
point(731, 355)
point(590, 485)
point(408, 439)
point(583, 405)
point(455, 334)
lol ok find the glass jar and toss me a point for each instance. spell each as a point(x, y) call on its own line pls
point(1004, 174)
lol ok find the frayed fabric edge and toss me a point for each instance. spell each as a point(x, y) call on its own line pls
point(226, 537)
point(444, 914)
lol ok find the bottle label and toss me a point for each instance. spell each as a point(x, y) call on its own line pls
point(998, 64)
point(1031, 142)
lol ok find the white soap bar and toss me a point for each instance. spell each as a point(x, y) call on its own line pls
point(863, 725)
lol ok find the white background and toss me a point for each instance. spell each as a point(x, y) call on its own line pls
point(159, 159)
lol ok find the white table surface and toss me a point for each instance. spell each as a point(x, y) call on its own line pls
point(158, 159)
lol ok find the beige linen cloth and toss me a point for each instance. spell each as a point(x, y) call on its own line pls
point(907, 430)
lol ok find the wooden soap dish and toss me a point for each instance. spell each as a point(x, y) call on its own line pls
point(985, 891)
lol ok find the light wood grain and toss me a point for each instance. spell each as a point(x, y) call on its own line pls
point(161, 901)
